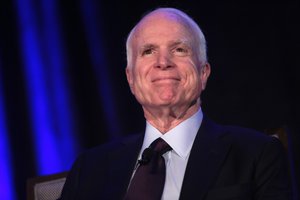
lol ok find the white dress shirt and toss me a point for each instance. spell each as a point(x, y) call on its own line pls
point(181, 139)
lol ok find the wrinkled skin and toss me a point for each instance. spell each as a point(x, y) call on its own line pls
point(166, 75)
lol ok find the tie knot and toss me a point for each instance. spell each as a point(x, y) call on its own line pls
point(160, 146)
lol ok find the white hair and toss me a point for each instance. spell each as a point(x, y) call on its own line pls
point(184, 18)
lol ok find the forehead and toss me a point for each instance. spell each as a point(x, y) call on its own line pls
point(162, 26)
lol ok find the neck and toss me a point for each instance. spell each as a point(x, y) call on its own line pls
point(166, 118)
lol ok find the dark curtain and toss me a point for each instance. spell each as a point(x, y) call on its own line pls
point(63, 87)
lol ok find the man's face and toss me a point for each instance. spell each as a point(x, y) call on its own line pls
point(165, 69)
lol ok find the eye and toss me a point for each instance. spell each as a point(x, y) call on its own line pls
point(181, 51)
point(147, 51)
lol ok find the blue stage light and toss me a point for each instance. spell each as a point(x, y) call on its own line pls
point(46, 87)
point(94, 39)
point(6, 181)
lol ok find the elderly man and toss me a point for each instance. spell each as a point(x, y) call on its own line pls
point(181, 154)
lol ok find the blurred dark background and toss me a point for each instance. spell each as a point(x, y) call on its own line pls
point(63, 88)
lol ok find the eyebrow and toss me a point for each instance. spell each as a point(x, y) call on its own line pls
point(180, 42)
point(171, 44)
point(148, 46)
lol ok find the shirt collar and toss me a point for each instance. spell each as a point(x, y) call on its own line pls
point(180, 138)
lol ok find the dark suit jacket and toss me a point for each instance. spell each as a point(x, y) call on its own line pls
point(225, 163)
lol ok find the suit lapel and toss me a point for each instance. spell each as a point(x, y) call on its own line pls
point(207, 155)
point(122, 162)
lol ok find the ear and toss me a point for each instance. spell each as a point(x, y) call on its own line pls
point(129, 78)
point(204, 74)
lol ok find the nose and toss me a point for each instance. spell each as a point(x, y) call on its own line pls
point(164, 61)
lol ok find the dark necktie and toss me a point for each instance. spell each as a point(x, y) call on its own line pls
point(149, 179)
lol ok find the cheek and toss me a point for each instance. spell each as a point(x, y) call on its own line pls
point(142, 70)
point(140, 84)
point(139, 78)
point(192, 73)
point(192, 83)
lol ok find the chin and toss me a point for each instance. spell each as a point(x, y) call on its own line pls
point(165, 103)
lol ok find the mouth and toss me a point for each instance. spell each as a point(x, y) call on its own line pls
point(165, 79)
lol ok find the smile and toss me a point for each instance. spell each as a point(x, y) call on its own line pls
point(165, 79)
